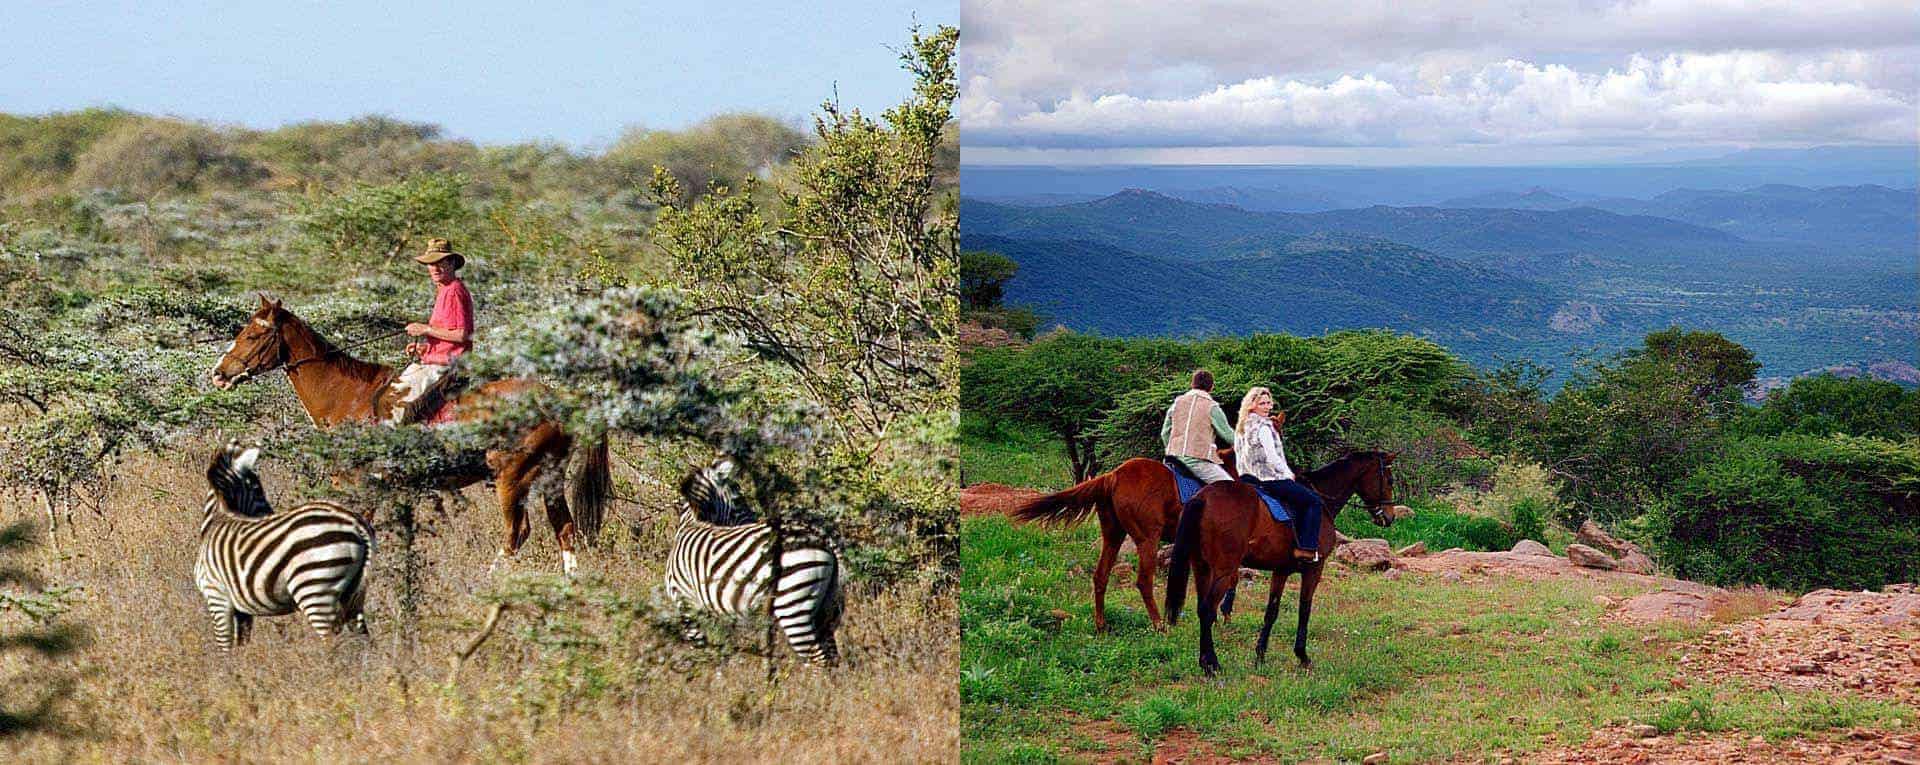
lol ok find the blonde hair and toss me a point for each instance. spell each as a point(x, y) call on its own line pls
point(1246, 407)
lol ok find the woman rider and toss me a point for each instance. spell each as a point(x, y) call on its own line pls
point(1261, 457)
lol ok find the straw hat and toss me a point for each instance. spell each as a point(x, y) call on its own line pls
point(438, 250)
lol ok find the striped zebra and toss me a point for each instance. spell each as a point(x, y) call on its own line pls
point(255, 562)
point(724, 568)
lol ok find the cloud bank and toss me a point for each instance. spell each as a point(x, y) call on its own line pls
point(1062, 76)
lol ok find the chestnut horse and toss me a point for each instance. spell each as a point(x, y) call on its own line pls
point(335, 387)
point(1138, 500)
point(1227, 526)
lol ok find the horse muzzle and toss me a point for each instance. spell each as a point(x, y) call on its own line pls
point(224, 382)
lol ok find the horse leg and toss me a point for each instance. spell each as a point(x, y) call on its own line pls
point(1309, 579)
point(1110, 537)
point(1210, 593)
point(511, 483)
point(1273, 612)
point(1226, 603)
point(1144, 580)
point(561, 519)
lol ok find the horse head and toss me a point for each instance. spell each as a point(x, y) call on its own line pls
point(1376, 488)
point(257, 349)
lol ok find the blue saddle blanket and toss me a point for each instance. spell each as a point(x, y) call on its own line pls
point(1273, 505)
point(1187, 486)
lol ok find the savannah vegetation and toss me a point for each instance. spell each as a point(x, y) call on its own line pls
point(1811, 487)
point(634, 281)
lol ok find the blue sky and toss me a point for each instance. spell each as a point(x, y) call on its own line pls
point(493, 72)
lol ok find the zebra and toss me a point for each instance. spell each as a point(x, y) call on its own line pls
point(723, 568)
point(255, 562)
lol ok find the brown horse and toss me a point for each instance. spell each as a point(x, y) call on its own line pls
point(1138, 500)
point(336, 388)
point(1226, 526)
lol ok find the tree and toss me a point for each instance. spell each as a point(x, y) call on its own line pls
point(851, 285)
point(383, 219)
point(722, 151)
point(158, 156)
point(982, 277)
point(1826, 405)
point(1625, 429)
point(1067, 383)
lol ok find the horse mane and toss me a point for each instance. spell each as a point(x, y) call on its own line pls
point(324, 348)
point(1329, 469)
point(710, 495)
point(235, 484)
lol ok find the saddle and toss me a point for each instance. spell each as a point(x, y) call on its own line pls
point(1274, 507)
point(435, 407)
point(1185, 483)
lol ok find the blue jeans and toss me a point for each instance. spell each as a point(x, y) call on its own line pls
point(1304, 504)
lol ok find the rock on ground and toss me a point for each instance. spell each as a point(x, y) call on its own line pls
point(1365, 554)
point(1582, 555)
point(1627, 555)
point(1528, 547)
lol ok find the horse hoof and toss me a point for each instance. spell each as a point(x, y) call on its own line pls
point(1160, 627)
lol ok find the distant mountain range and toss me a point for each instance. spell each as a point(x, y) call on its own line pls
point(1310, 188)
point(1490, 282)
point(1851, 216)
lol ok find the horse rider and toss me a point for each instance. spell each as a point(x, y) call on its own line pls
point(1194, 423)
point(1262, 457)
point(447, 333)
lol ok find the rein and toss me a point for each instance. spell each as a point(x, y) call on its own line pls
point(342, 349)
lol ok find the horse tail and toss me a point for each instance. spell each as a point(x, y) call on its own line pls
point(1070, 506)
point(1186, 544)
point(589, 489)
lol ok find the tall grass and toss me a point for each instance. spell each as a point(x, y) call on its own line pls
point(153, 689)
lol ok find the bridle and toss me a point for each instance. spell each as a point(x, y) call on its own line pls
point(249, 370)
point(1382, 517)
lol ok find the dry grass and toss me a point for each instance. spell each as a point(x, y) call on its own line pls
point(152, 688)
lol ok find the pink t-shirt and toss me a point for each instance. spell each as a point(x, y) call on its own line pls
point(452, 309)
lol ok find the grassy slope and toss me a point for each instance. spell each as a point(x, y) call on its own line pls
point(1419, 667)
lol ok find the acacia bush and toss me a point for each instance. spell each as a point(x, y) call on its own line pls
point(1797, 512)
point(154, 156)
point(385, 218)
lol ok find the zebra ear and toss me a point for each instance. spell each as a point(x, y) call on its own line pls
point(244, 463)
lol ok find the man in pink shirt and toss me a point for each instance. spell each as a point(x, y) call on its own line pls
point(447, 334)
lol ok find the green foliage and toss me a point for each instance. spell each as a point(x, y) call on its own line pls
point(85, 392)
point(721, 151)
point(1626, 429)
point(1068, 383)
point(1826, 404)
point(1796, 512)
point(40, 152)
point(152, 157)
point(383, 219)
point(851, 285)
point(1439, 526)
point(983, 275)
point(30, 612)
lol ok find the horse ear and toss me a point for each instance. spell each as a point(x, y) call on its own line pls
point(264, 303)
point(1389, 457)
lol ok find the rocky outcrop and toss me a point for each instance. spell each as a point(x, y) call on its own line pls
point(1626, 555)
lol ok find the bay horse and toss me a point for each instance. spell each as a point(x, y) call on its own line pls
point(335, 388)
point(1227, 526)
point(1138, 499)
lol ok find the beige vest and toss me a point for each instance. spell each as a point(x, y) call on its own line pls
point(1192, 433)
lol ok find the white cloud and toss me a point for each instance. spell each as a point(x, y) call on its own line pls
point(1731, 96)
point(1076, 73)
